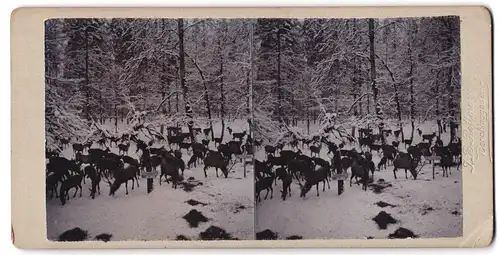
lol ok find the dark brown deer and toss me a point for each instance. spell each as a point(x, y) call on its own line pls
point(123, 176)
point(74, 181)
point(406, 162)
point(172, 170)
point(123, 148)
point(265, 183)
point(78, 148)
point(239, 135)
point(314, 178)
point(215, 159)
point(95, 178)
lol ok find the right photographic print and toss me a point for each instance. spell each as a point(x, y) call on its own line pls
point(357, 128)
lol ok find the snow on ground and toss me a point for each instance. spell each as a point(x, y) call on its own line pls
point(429, 207)
point(158, 215)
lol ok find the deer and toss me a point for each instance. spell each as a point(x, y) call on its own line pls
point(239, 135)
point(74, 181)
point(265, 183)
point(172, 170)
point(314, 178)
point(215, 159)
point(123, 176)
point(315, 149)
point(407, 162)
point(124, 148)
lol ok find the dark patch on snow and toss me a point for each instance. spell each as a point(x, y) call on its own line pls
point(379, 187)
point(426, 209)
point(369, 237)
point(104, 237)
point(427, 180)
point(182, 238)
point(455, 181)
point(190, 179)
point(384, 204)
point(238, 208)
point(455, 212)
point(294, 237)
point(194, 202)
point(402, 233)
point(267, 235)
point(215, 233)
point(189, 185)
point(383, 219)
point(194, 218)
point(73, 235)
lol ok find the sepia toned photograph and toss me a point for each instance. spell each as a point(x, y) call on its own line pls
point(310, 127)
point(357, 128)
point(148, 130)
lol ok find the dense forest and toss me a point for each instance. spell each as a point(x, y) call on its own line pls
point(168, 72)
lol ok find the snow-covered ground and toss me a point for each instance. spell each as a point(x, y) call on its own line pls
point(429, 207)
point(158, 215)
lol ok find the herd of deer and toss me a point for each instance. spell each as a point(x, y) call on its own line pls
point(117, 169)
point(293, 165)
point(288, 166)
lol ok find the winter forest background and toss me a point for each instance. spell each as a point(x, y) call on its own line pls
point(97, 68)
point(274, 82)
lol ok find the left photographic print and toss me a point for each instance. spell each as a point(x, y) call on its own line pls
point(148, 129)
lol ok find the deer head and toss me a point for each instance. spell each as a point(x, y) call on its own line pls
point(304, 189)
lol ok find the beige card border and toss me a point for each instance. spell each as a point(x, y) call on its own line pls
point(28, 205)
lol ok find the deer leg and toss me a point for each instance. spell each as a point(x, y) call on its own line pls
point(137, 181)
point(267, 193)
point(133, 183)
point(406, 173)
point(217, 172)
point(80, 186)
point(126, 187)
point(350, 180)
point(205, 171)
point(317, 189)
point(76, 190)
point(395, 173)
point(272, 191)
point(98, 189)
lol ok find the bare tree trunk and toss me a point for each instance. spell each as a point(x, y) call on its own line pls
point(87, 82)
point(412, 94)
point(182, 70)
point(221, 98)
point(279, 75)
point(373, 77)
point(451, 110)
point(438, 117)
point(177, 94)
point(116, 119)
